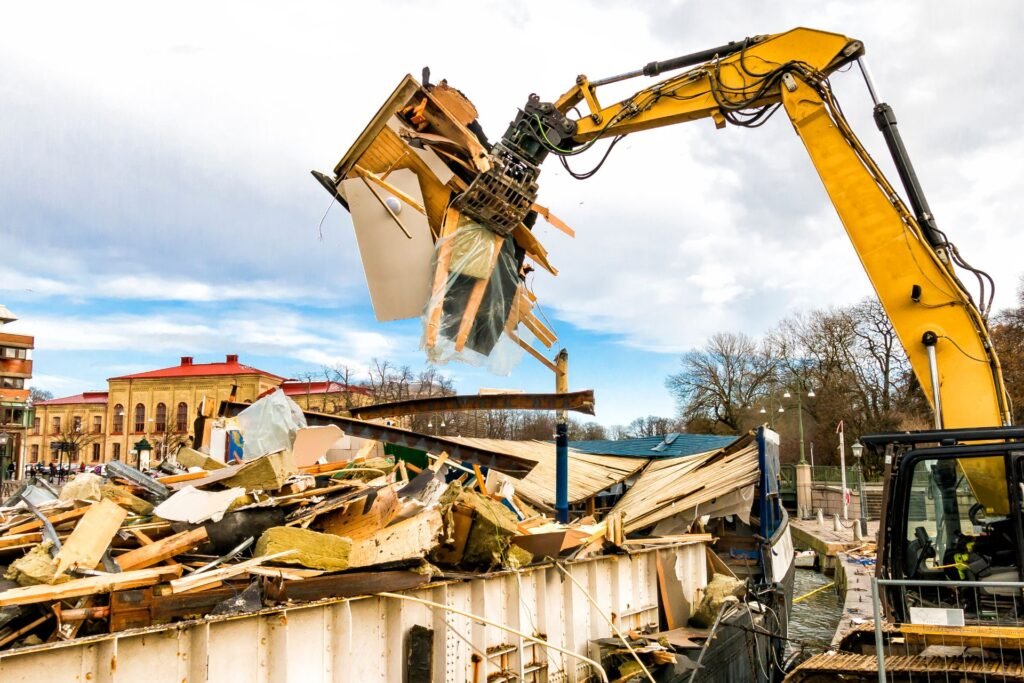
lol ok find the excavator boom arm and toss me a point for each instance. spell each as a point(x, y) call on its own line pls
point(906, 258)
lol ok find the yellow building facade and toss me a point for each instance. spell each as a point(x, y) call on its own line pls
point(158, 405)
point(95, 427)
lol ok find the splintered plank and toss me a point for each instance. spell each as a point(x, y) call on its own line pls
point(20, 540)
point(158, 551)
point(55, 519)
point(88, 586)
point(359, 521)
point(409, 539)
point(188, 476)
point(388, 152)
point(91, 537)
point(553, 220)
point(215, 577)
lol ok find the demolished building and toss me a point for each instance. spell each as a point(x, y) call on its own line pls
point(300, 561)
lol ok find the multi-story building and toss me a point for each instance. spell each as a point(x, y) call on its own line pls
point(15, 408)
point(326, 397)
point(160, 407)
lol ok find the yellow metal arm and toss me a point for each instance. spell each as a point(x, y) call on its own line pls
point(714, 90)
point(914, 280)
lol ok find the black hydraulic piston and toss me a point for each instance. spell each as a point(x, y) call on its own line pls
point(885, 119)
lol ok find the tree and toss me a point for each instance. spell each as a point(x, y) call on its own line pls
point(36, 395)
point(618, 432)
point(586, 431)
point(1008, 339)
point(168, 443)
point(715, 383)
point(860, 374)
point(70, 442)
point(652, 425)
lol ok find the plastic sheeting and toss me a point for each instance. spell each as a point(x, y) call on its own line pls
point(475, 291)
point(269, 425)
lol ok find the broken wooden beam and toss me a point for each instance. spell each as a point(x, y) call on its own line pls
point(363, 518)
point(92, 585)
point(158, 551)
point(92, 536)
point(409, 539)
point(55, 519)
point(577, 401)
point(215, 576)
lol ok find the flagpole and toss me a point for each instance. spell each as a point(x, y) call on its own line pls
point(842, 471)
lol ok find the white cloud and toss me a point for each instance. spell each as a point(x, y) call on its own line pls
point(148, 287)
point(163, 155)
point(62, 385)
point(251, 330)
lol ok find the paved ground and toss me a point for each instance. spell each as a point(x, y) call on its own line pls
point(854, 581)
point(825, 540)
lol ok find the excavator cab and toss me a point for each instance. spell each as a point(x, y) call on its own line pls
point(953, 515)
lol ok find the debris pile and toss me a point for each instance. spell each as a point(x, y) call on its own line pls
point(284, 518)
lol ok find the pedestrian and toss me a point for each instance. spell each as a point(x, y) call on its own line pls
point(81, 467)
point(11, 470)
point(53, 471)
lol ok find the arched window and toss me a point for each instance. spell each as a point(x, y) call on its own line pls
point(181, 423)
point(119, 419)
point(140, 418)
point(161, 418)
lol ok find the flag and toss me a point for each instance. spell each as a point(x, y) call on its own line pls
point(839, 427)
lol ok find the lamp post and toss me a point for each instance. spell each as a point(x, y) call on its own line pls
point(857, 448)
point(800, 416)
point(799, 412)
point(771, 420)
point(5, 439)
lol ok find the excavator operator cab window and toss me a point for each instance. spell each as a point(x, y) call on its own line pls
point(959, 527)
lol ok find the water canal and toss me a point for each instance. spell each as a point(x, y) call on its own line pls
point(814, 620)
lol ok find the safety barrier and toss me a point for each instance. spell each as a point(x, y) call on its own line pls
point(951, 630)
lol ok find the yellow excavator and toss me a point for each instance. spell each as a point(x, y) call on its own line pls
point(953, 498)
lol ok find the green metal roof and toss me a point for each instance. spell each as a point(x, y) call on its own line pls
point(655, 446)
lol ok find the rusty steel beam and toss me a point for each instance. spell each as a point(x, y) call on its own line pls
point(509, 464)
point(578, 401)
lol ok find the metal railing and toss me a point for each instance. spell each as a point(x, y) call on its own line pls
point(832, 474)
point(954, 630)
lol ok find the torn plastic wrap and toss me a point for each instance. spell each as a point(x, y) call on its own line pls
point(270, 424)
point(473, 300)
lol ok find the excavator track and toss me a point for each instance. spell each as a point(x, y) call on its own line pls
point(850, 667)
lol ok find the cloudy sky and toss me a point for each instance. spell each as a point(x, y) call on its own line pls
point(155, 197)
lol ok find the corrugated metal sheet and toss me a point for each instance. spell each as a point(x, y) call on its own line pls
point(674, 486)
point(684, 444)
point(363, 639)
point(588, 474)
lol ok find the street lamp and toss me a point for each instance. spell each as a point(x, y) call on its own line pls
point(857, 448)
point(5, 438)
point(788, 393)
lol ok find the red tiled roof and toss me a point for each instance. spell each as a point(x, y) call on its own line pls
point(294, 387)
point(92, 397)
point(187, 368)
